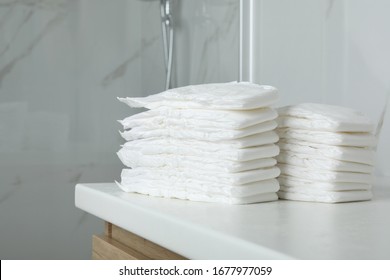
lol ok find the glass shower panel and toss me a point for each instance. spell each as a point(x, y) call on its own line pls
point(325, 51)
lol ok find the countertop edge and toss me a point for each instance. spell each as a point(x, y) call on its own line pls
point(219, 245)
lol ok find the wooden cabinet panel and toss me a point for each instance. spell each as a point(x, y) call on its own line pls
point(106, 248)
point(119, 244)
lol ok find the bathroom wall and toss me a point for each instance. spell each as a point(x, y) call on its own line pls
point(62, 65)
point(64, 62)
point(328, 51)
point(207, 41)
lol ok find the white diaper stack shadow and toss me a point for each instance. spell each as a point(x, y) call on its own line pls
point(326, 153)
point(211, 142)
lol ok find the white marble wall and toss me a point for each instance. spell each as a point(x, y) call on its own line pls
point(64, 62)
point(62, 65)
point(328, 51)
point(207, 41)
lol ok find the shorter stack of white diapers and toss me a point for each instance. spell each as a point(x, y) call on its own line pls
point(212, 142)
point(326, 153)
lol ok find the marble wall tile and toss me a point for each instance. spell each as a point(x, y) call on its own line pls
point(207, 41)
point(62, 65)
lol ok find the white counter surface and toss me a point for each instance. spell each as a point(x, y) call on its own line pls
point(273, 230)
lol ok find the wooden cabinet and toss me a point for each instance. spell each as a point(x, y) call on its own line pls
point(119, 244)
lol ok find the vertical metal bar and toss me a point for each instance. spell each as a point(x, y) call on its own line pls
point(246, 40)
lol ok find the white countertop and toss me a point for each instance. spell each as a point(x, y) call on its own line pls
point(272, 230)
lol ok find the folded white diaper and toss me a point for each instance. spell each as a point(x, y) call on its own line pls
point(133, 159)
point(196, 190)
point(344, 153)
point(266, 197)
point(161, 190)
point(197, 187)
point(326, 196)
point(202, 149)
point(326, 153)
point(322, 117)
point(195, 118)
point(304, 184)
point(149, 144)
point(212, 142)
point(200, 133)
point(230, 96)
point(329, 138)
point(184, 174)
point(318, 162)
point(323, 175)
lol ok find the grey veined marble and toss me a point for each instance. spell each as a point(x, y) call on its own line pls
point(62, 65)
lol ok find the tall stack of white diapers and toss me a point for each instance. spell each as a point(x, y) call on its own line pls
point(211, 142)
point(327, 153)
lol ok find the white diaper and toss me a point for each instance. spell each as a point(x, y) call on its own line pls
point(231, 96)
point(329, 138)
point(195, 186)
point(195, 118)
point(345, 153)
point(212, 142)
point(158, 144)
point(184, 174)
point(318, 162)
point(133, 159)
point(326, 196)
point(326, 153)
point(161, 190)
point(204, 134)
point(304, 184)
point(195, 190)
point(204, 150)
point(322, 117)
point(323, 175)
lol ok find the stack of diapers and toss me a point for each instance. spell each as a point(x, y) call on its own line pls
point(326, 153)
point(211, 142)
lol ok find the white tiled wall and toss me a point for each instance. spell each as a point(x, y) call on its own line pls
point(62, 65)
